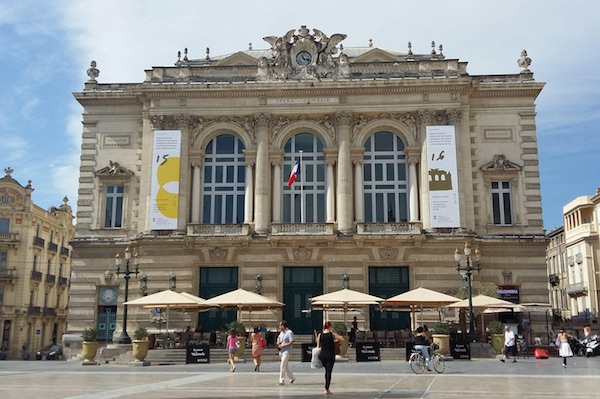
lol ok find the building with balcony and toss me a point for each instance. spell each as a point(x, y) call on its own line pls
point(35, 254)
point(282, 170)
point(574, 261)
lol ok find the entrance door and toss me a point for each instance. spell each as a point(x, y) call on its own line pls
point(216, 281)
point(386, 282)
point(299, 285)
point(107, 322)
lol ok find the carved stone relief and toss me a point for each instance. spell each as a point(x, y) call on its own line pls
point(302, 253)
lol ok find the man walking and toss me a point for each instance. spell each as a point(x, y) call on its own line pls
point(510, 345)
point(285, 341)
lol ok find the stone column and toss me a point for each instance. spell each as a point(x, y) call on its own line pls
point(413, 155)
point(263, 175)
point(277, 186)
point(344, 174)
point(196, 165)
point(330, 190)
point(359, 206)
point(249, 192)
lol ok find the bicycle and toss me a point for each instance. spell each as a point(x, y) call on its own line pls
point(417, 360)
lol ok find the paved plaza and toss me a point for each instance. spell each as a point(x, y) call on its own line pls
point(478, 378)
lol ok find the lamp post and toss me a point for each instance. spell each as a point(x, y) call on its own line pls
point(124, 337)
point(172, 281)
point(346, 281)
point(144, 284)
point(258, 283)
point(470, 265)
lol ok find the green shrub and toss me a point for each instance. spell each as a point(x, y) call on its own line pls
point(140, 333)
point(339, 328)
point(90, 335)
point(495, 327)
point(441, 328)
point(238, 326)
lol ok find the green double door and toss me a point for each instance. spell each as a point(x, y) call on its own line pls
point(216, 281)
point(300, 284)
point(386, 282)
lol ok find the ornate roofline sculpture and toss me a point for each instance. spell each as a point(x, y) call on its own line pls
point(304, 56)
point(500, 164)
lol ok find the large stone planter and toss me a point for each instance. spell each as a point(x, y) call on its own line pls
point(443, 341)
point(89, 349)
point(498, 342)
point(241, 348)
point(343, 347)
point(140, 351)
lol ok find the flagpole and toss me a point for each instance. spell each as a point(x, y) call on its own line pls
point(302, 220)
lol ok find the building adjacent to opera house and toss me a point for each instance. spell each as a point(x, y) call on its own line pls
point(404, 157)
point(35, 266)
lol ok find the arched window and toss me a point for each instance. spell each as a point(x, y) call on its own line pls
point(385, 179)
point(310, 183)
point(224, 181)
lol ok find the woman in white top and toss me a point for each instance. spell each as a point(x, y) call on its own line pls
point(564, 349)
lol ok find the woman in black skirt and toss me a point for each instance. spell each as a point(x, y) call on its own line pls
point(326, 341)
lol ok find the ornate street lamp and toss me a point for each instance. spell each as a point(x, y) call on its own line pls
point(258, 283)
point(172, 281)
point(124, 337)
point(144, 284)
point(468, 268)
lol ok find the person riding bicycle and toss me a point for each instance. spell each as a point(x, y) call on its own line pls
point(422, 342)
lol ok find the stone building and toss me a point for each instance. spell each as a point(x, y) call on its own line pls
point(573, 266)
point(35, 266)
point(402, 157)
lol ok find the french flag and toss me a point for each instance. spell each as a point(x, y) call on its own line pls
point(295, 172)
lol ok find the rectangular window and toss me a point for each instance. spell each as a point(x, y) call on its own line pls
point(3, 259)
point(4, 225)
point(501, 203)
point(1, 295)
point(113, 216)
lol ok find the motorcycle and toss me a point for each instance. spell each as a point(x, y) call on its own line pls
point(592, 347)
point(578, 347)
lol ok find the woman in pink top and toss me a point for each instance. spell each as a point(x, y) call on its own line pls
point(232, 347)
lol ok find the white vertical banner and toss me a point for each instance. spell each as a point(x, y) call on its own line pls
point(443, 176)
point(164, 201)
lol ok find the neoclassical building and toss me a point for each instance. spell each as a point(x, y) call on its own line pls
point(35, 268)
point(401, 159)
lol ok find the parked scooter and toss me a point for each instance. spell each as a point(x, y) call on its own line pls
point(592, 347)
point(578, 347)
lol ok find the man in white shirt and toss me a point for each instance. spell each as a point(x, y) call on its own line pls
point(510, 344)
point(285, 340)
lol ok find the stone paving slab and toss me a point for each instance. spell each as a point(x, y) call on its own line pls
point(380, 380)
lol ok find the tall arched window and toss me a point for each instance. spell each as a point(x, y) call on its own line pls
point(310, 183)
point(385, 179)
point(224, 181)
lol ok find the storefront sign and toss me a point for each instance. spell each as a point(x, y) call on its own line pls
point(197, 354)
point(509, 293)
point(307, 351)
point(368, 352)
point(460, 350)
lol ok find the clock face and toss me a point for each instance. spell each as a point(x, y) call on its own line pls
point(303, 58)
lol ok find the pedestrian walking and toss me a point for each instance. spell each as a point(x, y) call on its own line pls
point(326, 341)
point(564, 349)
point(258, 347)
point(510, 344)
point(285, 341)
point(232, 347)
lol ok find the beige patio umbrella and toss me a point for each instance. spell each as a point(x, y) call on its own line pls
point(482, 302)
point(243, 300)
point(344, 299)
point(169, 299)
point(419, 298)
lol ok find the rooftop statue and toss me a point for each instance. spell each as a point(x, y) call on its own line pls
point(303, 56)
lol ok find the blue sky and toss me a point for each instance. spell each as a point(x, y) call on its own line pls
point(46, 47)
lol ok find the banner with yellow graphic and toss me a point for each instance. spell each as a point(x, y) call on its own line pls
point(164, 200)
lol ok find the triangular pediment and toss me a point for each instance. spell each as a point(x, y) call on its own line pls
point(376, 55)
point(114, 169)
point(238, 59)
point(500, 164)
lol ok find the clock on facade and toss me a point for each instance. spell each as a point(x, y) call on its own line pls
point(303, 58)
